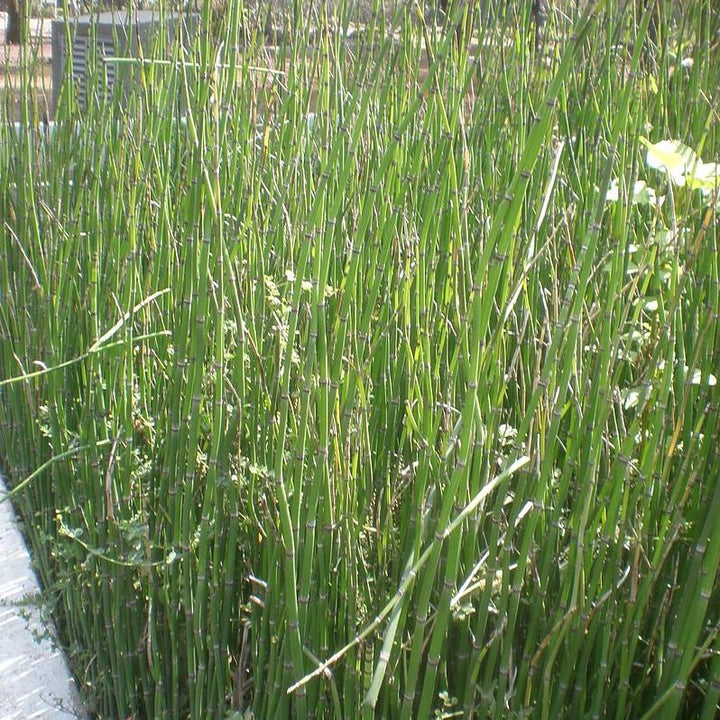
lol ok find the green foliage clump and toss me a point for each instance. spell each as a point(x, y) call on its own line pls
point(374, 375)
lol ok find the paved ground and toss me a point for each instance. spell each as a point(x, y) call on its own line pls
point(41, 81)
point(39, 31)
point(34, 678)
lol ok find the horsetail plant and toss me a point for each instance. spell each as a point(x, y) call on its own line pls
point(374, 373)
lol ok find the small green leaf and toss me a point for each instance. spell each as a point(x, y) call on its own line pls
point(645, 195)
point(642, 194)
point(613, 193)
point(697, 378)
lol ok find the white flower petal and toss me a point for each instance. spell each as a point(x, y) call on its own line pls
point(672, 156)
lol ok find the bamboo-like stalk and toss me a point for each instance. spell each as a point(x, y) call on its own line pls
point(342, 388)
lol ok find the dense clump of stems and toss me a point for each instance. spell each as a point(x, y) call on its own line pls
point(332, 384)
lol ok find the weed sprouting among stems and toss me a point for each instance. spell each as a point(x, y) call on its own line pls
point(375, 375)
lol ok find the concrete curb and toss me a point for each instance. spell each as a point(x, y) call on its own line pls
point(34, 678)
